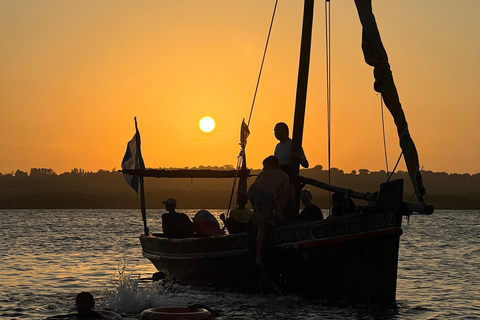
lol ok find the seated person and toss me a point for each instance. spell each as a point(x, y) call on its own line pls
point(206, 225)
point(341, 205)
point(311, 212)
point(175, 224)
point(349, 206)
point(239, 218)
point(337, 204)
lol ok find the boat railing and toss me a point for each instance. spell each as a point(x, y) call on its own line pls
point(422, 208)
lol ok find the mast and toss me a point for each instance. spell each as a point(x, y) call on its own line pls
point(301, 97)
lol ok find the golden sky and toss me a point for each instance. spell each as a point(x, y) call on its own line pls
point(75, 73)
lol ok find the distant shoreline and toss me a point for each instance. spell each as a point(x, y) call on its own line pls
point(44, 189)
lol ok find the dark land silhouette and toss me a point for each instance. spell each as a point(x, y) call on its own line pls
point(44, 189)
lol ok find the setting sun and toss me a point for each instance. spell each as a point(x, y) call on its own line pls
point(206, 124)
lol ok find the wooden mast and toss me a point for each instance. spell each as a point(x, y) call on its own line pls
point(301, 96)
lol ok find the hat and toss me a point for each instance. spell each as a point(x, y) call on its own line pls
point(170, 200)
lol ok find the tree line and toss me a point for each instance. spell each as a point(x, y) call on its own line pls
point(42, 188)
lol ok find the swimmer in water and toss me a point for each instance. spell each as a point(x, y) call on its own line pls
point(85, 306)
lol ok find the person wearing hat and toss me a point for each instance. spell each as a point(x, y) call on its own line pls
point(175, 224)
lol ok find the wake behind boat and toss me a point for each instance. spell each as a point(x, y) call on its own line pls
point(353, 257)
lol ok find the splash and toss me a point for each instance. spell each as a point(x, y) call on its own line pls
point(132, 294)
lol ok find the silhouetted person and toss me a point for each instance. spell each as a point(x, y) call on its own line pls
point(311, 212)
point(85, 306)
point(239, 218)
point(175, 224)
point(270, 185)
point(337, 204)
point(283, 149)
point(342, 205)
point(283, 152)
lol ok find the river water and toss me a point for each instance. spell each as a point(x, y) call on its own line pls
point(48, 256)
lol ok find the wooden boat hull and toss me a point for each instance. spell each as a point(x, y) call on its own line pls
point(352, 258)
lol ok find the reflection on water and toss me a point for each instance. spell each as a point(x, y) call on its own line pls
point(48, 256)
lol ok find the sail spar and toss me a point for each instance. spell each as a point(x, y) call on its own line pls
point(376, 56)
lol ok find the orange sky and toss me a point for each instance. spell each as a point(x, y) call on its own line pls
point(74, 74)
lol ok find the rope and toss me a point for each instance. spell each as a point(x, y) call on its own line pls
point(393, 171)
point(240, 157)
point(383, 129)
point(395, 168)
point(329, 89)
point(239, 163)
point(263, 60)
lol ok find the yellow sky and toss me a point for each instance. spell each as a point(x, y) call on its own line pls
point(74, 74)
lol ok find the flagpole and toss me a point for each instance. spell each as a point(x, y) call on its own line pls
point(144, 212)
point(142, 190)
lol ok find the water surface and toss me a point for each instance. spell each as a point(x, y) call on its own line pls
point(47, 256)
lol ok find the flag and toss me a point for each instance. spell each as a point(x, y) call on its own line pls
point(244, 133)
point(133, 159)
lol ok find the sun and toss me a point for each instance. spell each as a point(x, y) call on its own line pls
point(207, 124)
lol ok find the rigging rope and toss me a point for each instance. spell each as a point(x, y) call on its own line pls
point(241, 155)
point(390, 175)
point(263, 60)
point(395, 168)
point(383, 128)
point(239, 164)
point(328, 68)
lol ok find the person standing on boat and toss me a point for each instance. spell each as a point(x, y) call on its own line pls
point(268, 195)
point(283, 149)
point(284, 154)
point(175, 224)
point(311, 212)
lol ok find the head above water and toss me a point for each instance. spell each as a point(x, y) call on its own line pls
point(84, 303)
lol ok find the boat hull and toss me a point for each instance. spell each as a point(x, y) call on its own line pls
point(352, 258)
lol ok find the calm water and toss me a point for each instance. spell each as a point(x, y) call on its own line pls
point(47, 256)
